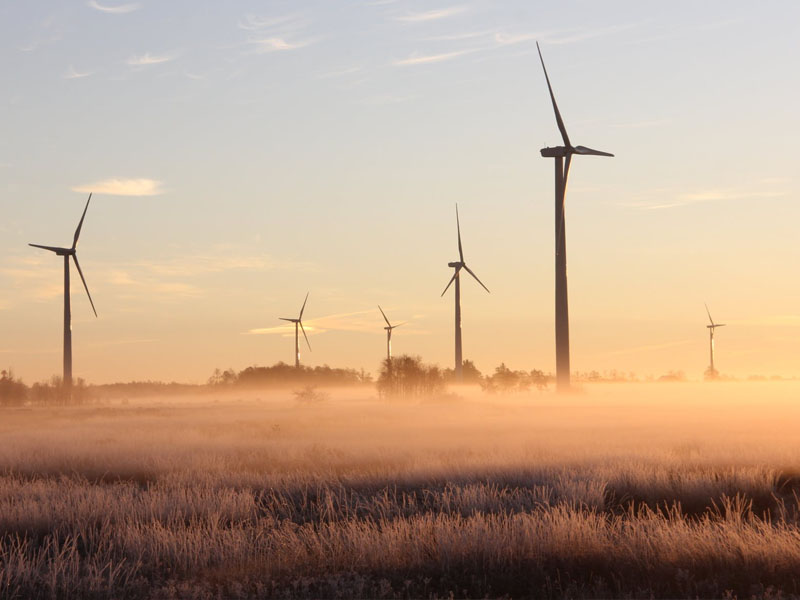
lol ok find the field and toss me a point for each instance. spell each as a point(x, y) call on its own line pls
point(635, 490)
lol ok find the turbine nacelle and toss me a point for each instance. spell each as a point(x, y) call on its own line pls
point(455, 265)
point(562, 151)
point(58, 251)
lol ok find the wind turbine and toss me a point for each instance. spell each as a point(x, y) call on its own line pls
point(712, 372)
point(559, 154)
point(458, 265)
point(388, 329)
point(298, 321)
point(66, 253)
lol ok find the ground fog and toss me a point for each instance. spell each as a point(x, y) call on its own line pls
point(632, 490)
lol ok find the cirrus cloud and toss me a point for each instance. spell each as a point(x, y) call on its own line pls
point(122, 187)
point(147, 59)
point(114, 10)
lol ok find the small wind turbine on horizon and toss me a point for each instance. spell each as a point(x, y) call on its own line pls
point(388, 329)
point(298, 321)
point(67, 253)
point(560, 153)
point(458, 265)
point(712, 372)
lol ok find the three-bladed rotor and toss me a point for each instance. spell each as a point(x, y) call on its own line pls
point(460, 264)
point(72, 252)
point(567, 150)
point(713, 325)
point(389, 326)
point(299, 321)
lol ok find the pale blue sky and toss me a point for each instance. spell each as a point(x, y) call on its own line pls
point(295, 146)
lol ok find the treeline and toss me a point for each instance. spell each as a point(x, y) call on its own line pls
point(13, 392)
point(407, 377)
point(282, 374)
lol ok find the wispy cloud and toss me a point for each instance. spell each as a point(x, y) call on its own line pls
point(768, 321)
point(647, 348)
point(147, 59)
point(73, 73)
point(119, 9)
point(257, 23)
point(564, 36)
point(276, 44)
point(351, 321)
point(431, 15)
point(418, 59)
point(278, 33)
point(704, 196)
point(122, 187)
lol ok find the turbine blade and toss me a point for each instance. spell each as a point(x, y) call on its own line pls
point(285, 319)
point(709, 313)
point(560, 122)
point(304, 306)
point(384, 315)
point(458, 227)
point(86, 287)
point(80, 224)
point(476, 278)
point(452, 279)
point(305, 336)
point(51, 248)
point(720, 325)
point(398, 325)
point(568, 162)
point(585, 150)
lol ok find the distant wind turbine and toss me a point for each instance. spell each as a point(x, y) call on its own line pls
point(458, 265)
point(298, 321)
point(388, 329)
point(66, 253)
point(712, 372)
point(559, 153)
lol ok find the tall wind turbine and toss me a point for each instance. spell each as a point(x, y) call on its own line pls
point(712, 372)
point(559, 154)
point(388, 329)
point(458, 265)
point(66, 253)
point(298, 322)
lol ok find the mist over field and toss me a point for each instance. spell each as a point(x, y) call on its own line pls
point(638, 490)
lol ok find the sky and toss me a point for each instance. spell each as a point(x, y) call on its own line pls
point(244, 153)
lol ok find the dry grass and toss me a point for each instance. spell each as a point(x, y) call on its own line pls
point(624, 491)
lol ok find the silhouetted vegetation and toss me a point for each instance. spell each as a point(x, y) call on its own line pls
point(469, 373)
point(282, 374)
point(505, 380)
point(408, 377)
point(610, 376)
point(12, 391)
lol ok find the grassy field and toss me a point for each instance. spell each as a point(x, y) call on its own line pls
point(637, 490)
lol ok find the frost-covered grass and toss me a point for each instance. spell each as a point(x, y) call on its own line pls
point(636, 491)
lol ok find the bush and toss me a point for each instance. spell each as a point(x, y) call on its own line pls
point(408, 377)
point(309, 395)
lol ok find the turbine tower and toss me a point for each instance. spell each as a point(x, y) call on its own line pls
point(298, 321)
point(388, 329)
point(457, 266)
point(712, 372)
point(562, 156)
point(67, 253)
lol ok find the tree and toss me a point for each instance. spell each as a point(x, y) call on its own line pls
point(12, 391)
point(408, 377)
